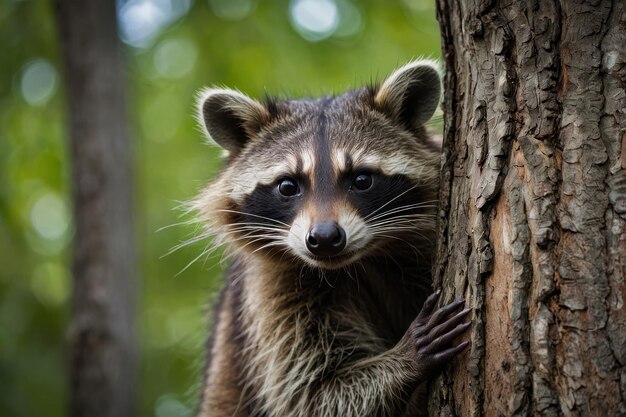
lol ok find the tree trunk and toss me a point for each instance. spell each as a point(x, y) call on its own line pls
point(101, 331)
point(533, 203)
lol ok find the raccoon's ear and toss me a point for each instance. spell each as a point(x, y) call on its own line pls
point(411, 94)
point(229, 117)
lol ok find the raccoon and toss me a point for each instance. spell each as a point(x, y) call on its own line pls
point(327, 209)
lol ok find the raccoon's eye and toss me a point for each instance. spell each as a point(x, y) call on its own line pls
point(288, 187)
point(363, 181)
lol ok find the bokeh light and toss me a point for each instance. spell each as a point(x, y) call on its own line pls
point(50, 222)
point(49, 216)
point(38, 82)
point(351, 20)
point(314, 19)
point(170, 406)
point(175, 58)
point(141, 21)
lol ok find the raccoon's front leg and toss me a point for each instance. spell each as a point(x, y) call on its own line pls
point(381, 385)
point(430, 336)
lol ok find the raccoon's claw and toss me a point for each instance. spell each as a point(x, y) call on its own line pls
point(433, 332)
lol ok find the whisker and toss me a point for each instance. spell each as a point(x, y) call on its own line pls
point(268, 245)
point(412, 229)
point(204, 252)
point(400, 215)
point(186, 243)
point(390, 201)
point(413, 247)
point(253, 215)
point(401, 208)
point(253, 228)
point(255, 238)
point(404, 220)
point(252, 224)
point(236, 250)
point(185, 223)
point(353, 278)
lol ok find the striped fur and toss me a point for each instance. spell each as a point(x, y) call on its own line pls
point(296, 335)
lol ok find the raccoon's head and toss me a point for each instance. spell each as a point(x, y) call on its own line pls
point(325, 181)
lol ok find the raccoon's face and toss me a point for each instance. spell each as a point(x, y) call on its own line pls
point(326, 181)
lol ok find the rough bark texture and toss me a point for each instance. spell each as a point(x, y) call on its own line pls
point(101, 332)
point(533, 206)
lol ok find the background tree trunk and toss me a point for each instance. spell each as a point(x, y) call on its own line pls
point(534, 197)
point(101, 334)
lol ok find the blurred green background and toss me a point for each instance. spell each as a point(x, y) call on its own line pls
point(173, 48)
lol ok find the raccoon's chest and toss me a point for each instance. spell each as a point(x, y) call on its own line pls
point(380, 300)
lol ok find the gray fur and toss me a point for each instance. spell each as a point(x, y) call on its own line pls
point(298, 338)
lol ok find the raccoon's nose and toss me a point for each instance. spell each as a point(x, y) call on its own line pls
point(326, 239)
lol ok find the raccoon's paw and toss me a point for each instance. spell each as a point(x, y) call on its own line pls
point(433, 332)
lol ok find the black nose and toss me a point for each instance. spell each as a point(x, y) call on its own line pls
point(326, 239)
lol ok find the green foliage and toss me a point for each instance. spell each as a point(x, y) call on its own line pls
point(250, 45)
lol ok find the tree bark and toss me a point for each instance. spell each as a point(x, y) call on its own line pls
point(101, 330)
point(533, 203)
